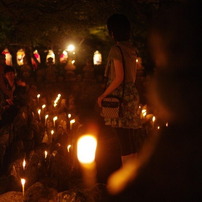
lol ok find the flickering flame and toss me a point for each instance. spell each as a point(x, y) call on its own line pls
point(86, 148)
point(137, 60)
point(153, 119)
point(46, 116)
point(158, 127)
point(24, 164)
point(39, 111)
point(69, 116)
point(59, 95)
point(166, 124)
point(72, 121)
point(38, 96)
point(68, 147)
point(45, 154)
point(144, 112)
point(55, 118)
point(43, 106)
point(73, 61)
point(52, 132)
point(55, 104)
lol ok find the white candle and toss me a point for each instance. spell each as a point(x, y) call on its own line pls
point(23, 181)
point(24, 164)
point(45, 154)
point(68, 147)
point(43, 107)
point(86, 148)
point(69, 116)
point(144, 113)
point(39, 113)
point(153, 120)
point(54, 120)
point(71, 123)
point(46, 117)
point(38, 96)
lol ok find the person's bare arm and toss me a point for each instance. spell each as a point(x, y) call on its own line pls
point(119, 75)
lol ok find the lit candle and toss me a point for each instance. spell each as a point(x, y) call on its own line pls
point(38, 96)
point(45, 154)
point(71, 123)
point(153, 120)
point(54, 120)
point(43, 107)
point(166, 124)
point(86, 148)
point(23, 181)
point(158, 127)
point(69, 116)
point(144, 113)
point(39, 113)
point(46, 117)
point(24, 164)
point(52, 133)
point(68, 147)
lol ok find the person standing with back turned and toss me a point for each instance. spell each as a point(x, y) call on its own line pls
point(121, 73)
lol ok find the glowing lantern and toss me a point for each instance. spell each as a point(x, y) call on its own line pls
point(97, 58)
point(64, 56)
point(70, 48)
point(37, 56)
point(50, 55)
point(20, 56)
point(8, 57)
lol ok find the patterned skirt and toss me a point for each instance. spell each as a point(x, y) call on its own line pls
point(130, 117)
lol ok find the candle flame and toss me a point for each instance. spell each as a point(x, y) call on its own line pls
point(24, 164)
point(144, 112)
point(166, 124)
point(23, 181)
point(43, 106)
point(72, 121)
point(39, 111)
point(158, 127)
point(55, 118)
point(86, 148)
point(68, 147)
point(45, 154)
point(52, 132)
point(46, 116)
point(69, 116)
point(38, 96)
point(153, 119)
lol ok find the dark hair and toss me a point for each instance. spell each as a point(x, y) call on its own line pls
point(119, 26)
point(8, 68)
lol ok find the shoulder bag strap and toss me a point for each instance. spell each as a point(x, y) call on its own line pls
point(124, 70)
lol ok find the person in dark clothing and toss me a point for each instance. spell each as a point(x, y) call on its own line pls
point(169, 167)
point(11, 105)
